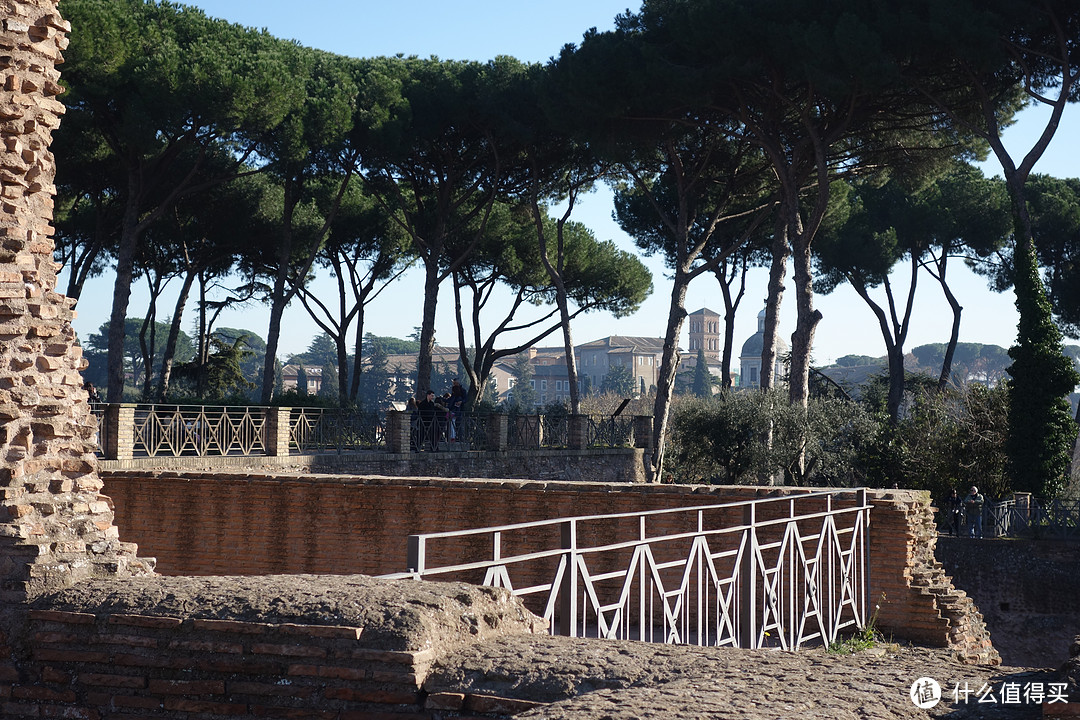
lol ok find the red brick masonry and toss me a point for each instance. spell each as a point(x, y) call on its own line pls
point(213, 523)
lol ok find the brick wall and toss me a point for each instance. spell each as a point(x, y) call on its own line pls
point(90, 666)
point(55, 528)
point(595, 464)
point(299, 647)
point(206, 523)
point(1028, 591)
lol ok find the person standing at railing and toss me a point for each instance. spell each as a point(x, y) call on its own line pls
point(954, 512)
point(91, 392)
point(456, 407)
point(413, 408)
point(973, 508)
point(431, 410)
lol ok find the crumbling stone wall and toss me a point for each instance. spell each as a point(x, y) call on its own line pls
point(1028, 591)
point(916, 599)
point(55, 525)
point(213, 523)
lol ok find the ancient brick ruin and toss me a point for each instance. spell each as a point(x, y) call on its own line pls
point(55, 526)
point(337, 645)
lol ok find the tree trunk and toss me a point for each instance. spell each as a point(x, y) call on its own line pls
point(125, 264)
point(342, 356)
point(343, 322)
point(358, 359)
point(571, 359)
point(802, 340)
point(781, 250)
point(203, 357)
point(665, 382)
point(169, 354)
point(555, 271)
point(731, 305)
point(954, 336)
point(427, 326)
point(278, 299)
point(148, 348)
point(277, 308)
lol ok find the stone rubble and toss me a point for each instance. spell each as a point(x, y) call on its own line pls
point(613, 680)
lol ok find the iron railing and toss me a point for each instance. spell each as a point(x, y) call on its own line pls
point(610, 431)
point(556, 430)
point(169, 430)
point(471, 430)
point(780, 571)
point(324, 429)
point(1032, 517)
point(524, 432)
point(179, 430)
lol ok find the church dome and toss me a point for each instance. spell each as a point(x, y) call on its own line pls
point(753, 345)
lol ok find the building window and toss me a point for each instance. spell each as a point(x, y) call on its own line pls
point(543, 384)
point(753, 376)
point(510, 383)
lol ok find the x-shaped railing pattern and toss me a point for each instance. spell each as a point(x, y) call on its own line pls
point(789, 571)
point(176, 430)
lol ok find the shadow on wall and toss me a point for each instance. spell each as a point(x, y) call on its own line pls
point(1028, 592)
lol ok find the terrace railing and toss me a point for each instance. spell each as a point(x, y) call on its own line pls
point(182, 430)
point(610, 431)
point(333, 430)
point(1026, 516)
point(128, 431)
point(781, 571)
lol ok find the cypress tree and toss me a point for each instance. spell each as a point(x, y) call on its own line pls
point(1041, 429)
point(702, 384)
point(301, 380)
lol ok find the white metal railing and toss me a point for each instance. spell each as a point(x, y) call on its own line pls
point(788, 571)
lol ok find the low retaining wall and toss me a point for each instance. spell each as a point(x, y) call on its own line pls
point(597, 464)
point(212, 523)
point(347, 648)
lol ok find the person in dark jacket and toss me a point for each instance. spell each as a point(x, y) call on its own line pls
point(456, 407)
point(954, 512)
point(432, 418)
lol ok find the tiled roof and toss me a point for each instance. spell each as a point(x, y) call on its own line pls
point(626, 343)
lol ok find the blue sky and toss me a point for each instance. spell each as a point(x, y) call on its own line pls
point(535, 31)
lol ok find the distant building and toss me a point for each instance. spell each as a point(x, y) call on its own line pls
point(750, 357)
point(641, 355)
point(402, 369)
point(704, 325)
point(290, 375)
